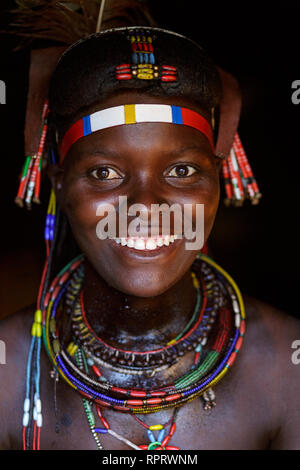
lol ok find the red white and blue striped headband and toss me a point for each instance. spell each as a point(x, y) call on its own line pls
point(134, 114)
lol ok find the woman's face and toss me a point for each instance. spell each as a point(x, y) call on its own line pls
point(149, 163)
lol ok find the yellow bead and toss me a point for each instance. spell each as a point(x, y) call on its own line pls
point(52, 325)
point(156, 427)
point(56, 346)
point(38, 330)
point(38, 316)
point(145, 76)
point(33, 329)
point(132, 38)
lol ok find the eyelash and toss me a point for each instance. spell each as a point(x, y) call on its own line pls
point(182, 165)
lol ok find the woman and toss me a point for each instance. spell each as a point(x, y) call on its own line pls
point(142, 327)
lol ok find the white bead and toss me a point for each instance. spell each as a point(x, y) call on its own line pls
point(26, 404)
point(38, 405)
point(237, 320)
point(34, 414)
point(39, 420)
point(25, 419)
point(235, 306)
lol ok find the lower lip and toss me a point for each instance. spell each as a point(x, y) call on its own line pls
point(142, 254)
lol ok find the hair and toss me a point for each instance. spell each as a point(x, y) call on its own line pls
point(85, 73)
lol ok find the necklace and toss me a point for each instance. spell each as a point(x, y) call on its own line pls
point(139, 362)
point(79, 370)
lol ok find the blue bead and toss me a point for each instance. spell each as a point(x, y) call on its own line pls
point(146, 58)
point(151, 436)
point(134, 58)
point(141, 56)
point(100, 430)
point(152, 59)
point(161, 435)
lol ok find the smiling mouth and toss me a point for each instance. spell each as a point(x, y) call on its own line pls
point(147, 243)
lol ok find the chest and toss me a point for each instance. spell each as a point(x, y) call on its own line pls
point(234, 423)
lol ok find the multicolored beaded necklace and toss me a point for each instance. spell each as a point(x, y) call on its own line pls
point(221, 304)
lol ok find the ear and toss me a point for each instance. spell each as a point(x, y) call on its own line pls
point(55, 174)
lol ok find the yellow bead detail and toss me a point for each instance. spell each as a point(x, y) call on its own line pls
point(156, 427)
point(195, 281)
point(145, 76)
point(72, 348)
point(38, 316)
point(33, 329)
point(56, 346)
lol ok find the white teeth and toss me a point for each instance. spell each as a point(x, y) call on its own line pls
point(150, 244)
point(141, 243)
point(167, 240)
point(160, 241)
point(130, 243)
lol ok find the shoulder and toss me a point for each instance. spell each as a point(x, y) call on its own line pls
point(15, 341)
point(273, 343)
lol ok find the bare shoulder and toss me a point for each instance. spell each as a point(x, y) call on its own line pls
point(273, 339)
point(15, 340)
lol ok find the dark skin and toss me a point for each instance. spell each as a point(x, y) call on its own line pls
point(152, 298)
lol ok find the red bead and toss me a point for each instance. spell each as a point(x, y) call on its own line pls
point(172, 429)
point(239, 343)
point(105, 423)
point(166, 440)
point(123, 66)
point(99, 412)
point(172, 448)
point(86, 395)
point(137, 393)
point(150, 47)
point(143, 447)
point(134, 46)
point(169, 67)
point(96, 370)
point(140, 46)
point(154, 401)
point(120, 408)
point(154, 394)
point(119, 390)
point(102, 403)
point(124, 76)
point(242, 327)
point(134, 402)
point(173, 397)
point(231, 359)
point(168, 78)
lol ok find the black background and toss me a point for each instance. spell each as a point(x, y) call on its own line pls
point(258, 245)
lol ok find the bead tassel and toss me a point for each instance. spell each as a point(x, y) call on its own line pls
point(239, 181)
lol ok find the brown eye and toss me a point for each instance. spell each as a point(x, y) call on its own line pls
point(105, 173)
point(182, 171)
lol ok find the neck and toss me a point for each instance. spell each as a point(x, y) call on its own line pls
point(137, 323)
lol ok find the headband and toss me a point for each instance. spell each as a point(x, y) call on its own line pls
point(134, 114)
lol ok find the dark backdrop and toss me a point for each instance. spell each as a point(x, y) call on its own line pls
point(258, 245)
